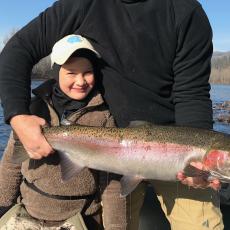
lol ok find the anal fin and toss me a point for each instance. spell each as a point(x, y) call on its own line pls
point(128, 184)
point(69, 169)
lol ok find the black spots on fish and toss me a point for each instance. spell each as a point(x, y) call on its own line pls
point(221, 142)
point(163, 134)
point(183, 135)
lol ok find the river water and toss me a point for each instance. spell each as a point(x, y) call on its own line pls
point(219, 94)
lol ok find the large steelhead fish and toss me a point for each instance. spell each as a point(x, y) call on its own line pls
point(141, 152)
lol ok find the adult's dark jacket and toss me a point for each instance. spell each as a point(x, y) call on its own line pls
point(156, 57)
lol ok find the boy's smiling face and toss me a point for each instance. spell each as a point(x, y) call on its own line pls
point(76, 77)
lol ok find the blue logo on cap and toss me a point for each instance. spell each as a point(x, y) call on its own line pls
point(74, 39)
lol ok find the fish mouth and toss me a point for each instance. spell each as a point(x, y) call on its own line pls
point(219, 175)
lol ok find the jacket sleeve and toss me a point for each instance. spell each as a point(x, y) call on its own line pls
point(191, 68)
point(10, 178)
point(28, 46)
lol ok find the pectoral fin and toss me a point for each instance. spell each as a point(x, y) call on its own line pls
point(128, 184)
point(20, 154)
point(69, 169)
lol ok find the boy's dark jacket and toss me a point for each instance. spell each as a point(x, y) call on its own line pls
point(45, 174)
point(157, 57)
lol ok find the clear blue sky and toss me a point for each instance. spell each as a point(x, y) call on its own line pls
point(15, 14)
point(218, 12)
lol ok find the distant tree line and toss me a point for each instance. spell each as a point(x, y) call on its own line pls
point(221, 62)
point(220, 73)
point(9, 35)
point(42, 69)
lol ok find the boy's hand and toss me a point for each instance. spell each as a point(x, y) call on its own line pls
point(198, 181)
point(28, 130)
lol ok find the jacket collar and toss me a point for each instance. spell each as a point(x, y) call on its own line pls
point(45, 89)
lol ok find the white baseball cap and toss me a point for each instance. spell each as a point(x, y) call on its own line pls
point(66, 46)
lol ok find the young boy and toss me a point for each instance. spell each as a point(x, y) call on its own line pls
point(45, 202)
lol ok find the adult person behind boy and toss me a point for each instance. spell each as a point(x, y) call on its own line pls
point(157, 65)
point(46, 202)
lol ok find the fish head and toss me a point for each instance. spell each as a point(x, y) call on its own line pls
point(217, 158)
point(217, 162)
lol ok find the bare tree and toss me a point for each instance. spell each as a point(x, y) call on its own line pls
point(220, 68)
point(9, 35)
point(42, 68)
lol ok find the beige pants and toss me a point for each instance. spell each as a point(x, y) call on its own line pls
point(185, 208)
point(17, 218)
point(188, 208)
